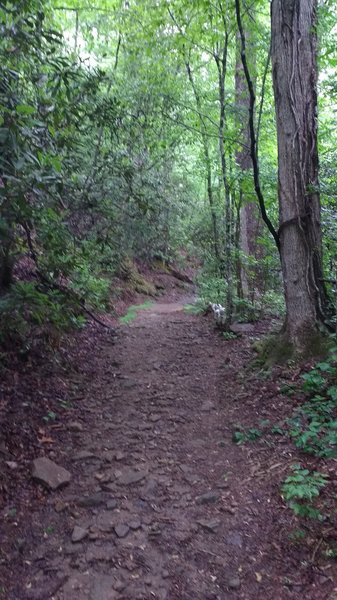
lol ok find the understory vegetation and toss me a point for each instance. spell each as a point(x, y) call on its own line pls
point(312, 430)
point(126, 138)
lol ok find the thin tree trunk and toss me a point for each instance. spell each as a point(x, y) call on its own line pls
point(203, 130)
point(294, 60)
point(221, 64)
point(6, 266)
point(7, 215)
point(238, 266)
point(76, 30)
point(252, 129)
point(250, 225)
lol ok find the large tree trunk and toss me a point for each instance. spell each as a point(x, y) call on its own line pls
point(295, 79)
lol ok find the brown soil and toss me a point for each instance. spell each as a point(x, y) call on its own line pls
point(158, 407)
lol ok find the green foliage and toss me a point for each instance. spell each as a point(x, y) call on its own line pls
point(25, 311)
point(297, 535)
point(241, 436)
point(88, 171)
point(107, 150)
point(211, 286)
point(316, 435)
point(277, 429)
point(288, 389)
point(313, 429)
point(229, 335)
point(49, 530)
point(270, 303)
point(50, 416)
point(313, 426)
point(301, 488)
point(266, 429)
point(198, 308)
point(273, 303)
point(313, 381)
point(91, 286)
point(246, 310)
point(132, 312)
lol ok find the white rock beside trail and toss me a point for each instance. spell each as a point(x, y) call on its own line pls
point(50, 474)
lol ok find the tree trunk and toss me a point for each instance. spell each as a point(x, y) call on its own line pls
point(221, 63)
point(6, 269)
point(208, 165)
point(294, 79)
point(250, 224)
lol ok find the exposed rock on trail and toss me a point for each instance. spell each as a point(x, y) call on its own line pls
point(50, 474)
point(161, 504)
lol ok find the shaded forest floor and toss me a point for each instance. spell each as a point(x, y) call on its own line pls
point(164, 504)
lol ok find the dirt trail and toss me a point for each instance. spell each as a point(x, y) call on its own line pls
point(167, 506)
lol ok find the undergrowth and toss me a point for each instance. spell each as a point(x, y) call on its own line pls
point(301, 488)
point(195, 309)
point(212, 287)
point(312, 428)
point(31, 317)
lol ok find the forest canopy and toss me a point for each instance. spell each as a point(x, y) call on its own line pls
point(136, 130)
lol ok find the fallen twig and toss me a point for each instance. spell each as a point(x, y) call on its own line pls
point(317, 547)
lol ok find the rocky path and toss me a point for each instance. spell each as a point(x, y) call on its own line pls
point(161, 504)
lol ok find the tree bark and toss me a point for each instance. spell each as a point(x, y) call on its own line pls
point(221, 63)
point(208, 165)
point(294, 61)
point(253, 133)
point(250, 224)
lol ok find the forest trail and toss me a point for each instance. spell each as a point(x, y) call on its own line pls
point(162, 504)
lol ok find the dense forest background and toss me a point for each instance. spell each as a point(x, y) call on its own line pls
point(125, 135)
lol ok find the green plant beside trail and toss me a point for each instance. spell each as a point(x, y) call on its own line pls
point(133, 311)
point(312, 428)
point(313, 425)
point(212, 287)
point(198, 308)
point(301, 488)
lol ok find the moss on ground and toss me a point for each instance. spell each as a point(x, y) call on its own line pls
point(160, 265)
point(135, 281)
point(133, 311)
point(278, 349)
